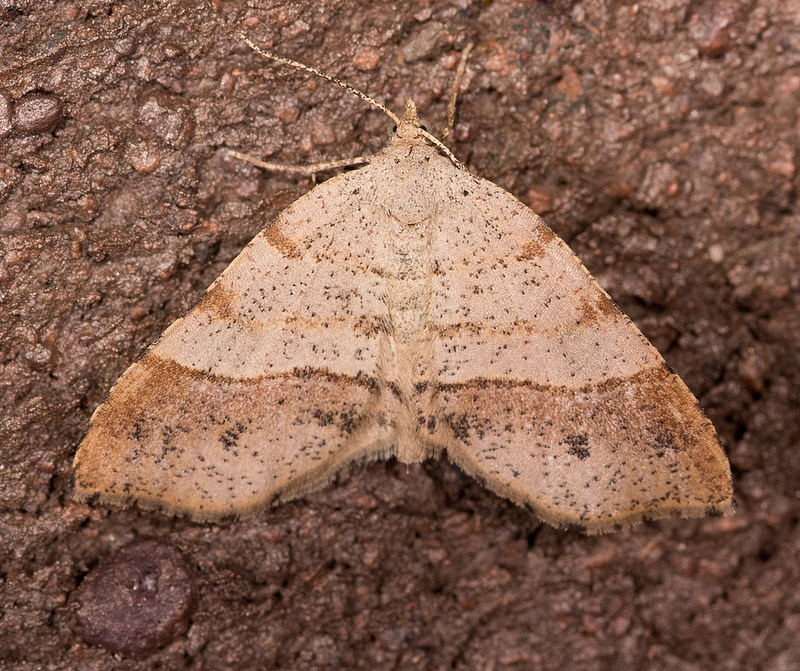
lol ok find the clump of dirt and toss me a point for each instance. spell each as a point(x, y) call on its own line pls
point(138, 600)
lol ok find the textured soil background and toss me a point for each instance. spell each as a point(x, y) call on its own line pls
point(660, 138)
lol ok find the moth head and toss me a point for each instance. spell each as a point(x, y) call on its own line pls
point(409, 125)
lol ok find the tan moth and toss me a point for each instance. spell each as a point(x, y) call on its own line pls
point(406, 309)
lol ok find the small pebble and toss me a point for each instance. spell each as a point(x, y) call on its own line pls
point(37, 113)
point(12, 218)
point(126, 46)
point(287, 113)
point(423, 44)
point(295, 30)
point(138, 601)
point(144, 157)
point(663, 85)
point(366, 58)
point(227, 83)
point(39, 357)
point(9, 176)
point(323, 134)
point(570, 84)
point(716, 253)
point(5, 115)
point(709, 29)
point(171, 122)
point(171, 51)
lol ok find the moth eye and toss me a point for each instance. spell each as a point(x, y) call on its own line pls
point(391, 127)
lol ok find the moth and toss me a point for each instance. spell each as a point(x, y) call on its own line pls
point(406, 309)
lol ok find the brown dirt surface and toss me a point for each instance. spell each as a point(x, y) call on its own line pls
point(659, 138)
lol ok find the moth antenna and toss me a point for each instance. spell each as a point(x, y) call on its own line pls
point(451, 105)
point(302, 66)
point(436, 142)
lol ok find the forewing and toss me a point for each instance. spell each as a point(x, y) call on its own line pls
point(553, 397)
point(267, 386)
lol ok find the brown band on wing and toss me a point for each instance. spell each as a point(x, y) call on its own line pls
point(597, 307)
point(536, 247)
point(604, 455)
point(490, 384)
point(284, 245)
point(219, 302)
point(183, 441)
point(166, 369)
